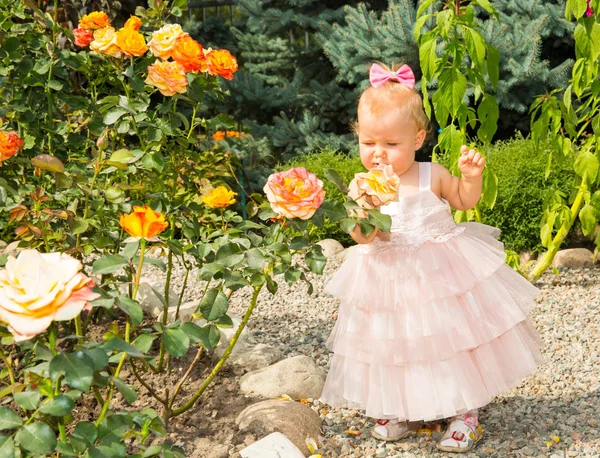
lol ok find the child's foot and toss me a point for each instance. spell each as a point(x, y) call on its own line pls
point(389, 430)
point(462, 434)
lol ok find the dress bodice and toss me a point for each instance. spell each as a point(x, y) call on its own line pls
point(416, 219)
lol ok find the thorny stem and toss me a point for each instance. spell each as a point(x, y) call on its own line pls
point(11, 375)
point(185, 376)
point(192, 125)
point(145, 385)
point(188, 405)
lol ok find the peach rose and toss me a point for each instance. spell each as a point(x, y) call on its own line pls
point(105, 42)
point(221, 62)
point(83, 37)
point(163, 40)
point(219, 197)
point(381, 183)
point(95, 20)
point(168, 77)
point(10, 143)
point(131, 42)
point(143, 222)
point(39, 288)
point(295, 193)
point(188, 52)
point(133, 22)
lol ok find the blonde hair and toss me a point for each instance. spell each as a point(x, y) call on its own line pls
point(394, 96)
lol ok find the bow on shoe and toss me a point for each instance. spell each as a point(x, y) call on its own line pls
point(379, 76)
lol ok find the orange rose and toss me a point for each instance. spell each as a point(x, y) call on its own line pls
point(95, 20)
point(295, 193)
point(220, 135)
point(131, 42)
point(222, 63)
point(105, 42)
point(83, 37)
point(133, 22)
point(188, 52)
point(10, 142)
point(143, 223)
point(163, 40)
point(219, 197)
point(168, 77)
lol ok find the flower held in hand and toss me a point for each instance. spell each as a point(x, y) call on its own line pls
point(380, 183)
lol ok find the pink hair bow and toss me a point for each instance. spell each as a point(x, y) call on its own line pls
point(378, 76)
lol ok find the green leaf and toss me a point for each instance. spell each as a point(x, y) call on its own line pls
point(588, 218)
point(334, 210)
point(578, 7)
point(255, 258)
point(98, 357)
point(111, 450)
point(122, 155)
point(214, 304)
point(131, 308)
point(143, 342)
point(292, 275)
point(299, 242)
point(229, 255)
point(315, 259)
point(488, 113)
point(176, 341)
point(428, 58)
point(129, 395)
point(271, 285)
point(476, 45)
point(58, 406)
point(208, 336)
point(36, 437)
point(490, 188)
point(130, 250)
point(347, 225)
point(493, 65)
point(77, 369)
point(120, 345)
point(7, 447)
point(587, 164)
point(109, 264)
point(453, 85)
point(79, 225)
point(486, 5)
point(84, 435)
point(49, 163)
point(27, 400)
point(9, 419)
point(383, 222)
point(336, 179)
point(113, 115)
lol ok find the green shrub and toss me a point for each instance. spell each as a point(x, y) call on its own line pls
point(347, 166)
point(521, 190)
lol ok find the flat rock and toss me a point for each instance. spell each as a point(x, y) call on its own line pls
point(148, 299)
point(298, 377)
point(294, 420)
point(251, 358)
point(331, 247)
point(573, 257)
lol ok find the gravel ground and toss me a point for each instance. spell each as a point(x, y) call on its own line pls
point(553, 413)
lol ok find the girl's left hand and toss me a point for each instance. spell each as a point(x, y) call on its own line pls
point(470, 163)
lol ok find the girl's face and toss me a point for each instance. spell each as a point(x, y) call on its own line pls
point(388, 139)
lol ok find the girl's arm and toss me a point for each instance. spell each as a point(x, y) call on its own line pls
point(462, 193)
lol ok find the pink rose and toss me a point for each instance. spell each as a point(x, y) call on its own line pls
point(295, 193)
point(37, 289)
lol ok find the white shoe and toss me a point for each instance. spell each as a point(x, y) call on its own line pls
point(393, 431)
point(462, 434)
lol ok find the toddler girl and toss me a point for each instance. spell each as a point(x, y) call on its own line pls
point(432, 322)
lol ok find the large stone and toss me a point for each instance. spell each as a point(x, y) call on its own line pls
point(331, 247)
point(186, 310)
point(147, 297)
point(293, 419)
point(275, 445)
point(252, 358)
point(573, 257)
point(298, 377)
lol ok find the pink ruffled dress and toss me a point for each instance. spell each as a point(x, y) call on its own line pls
point(432, 321)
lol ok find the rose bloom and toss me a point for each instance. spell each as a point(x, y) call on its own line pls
point(143, 222)
point(220, 135)
point(131, 42)
point(133, 22)
point(295, 193)
point(95, 20)
point(188, 52)
point(105, 42)
point(39, 288)
point(83, 37)
point(163, 40)
point(381, 183)
point(10, 142)
point(219, 197)
point(222, 63)
point(168, 77)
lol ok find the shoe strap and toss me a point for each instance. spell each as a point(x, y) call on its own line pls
point(382, 422)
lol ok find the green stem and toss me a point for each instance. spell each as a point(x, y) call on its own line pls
point(87, 195)
point(192, 125)
point(184, 378)
point(546, 259)
point(145, 385)
point(185, 280)
point(138, 273)
point(11, 375)
point(161, 353)
point(188, 405)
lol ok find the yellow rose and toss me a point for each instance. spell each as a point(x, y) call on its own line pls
point(143, 222)
point(219, 197)
point(38, 288)
point(168, 77)
point(295, 193)
point(105, 42)
point(131, 42)
point(133, 22)
point(95, 20)
point(380, 183)
point(164, 39)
